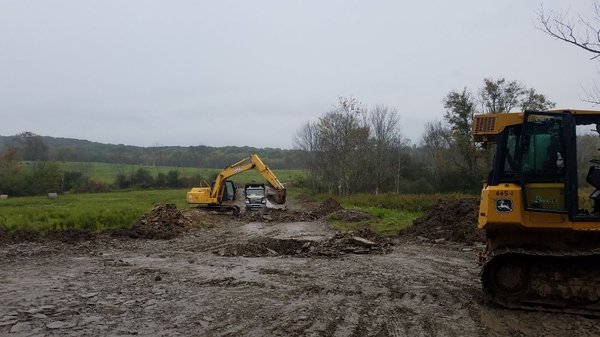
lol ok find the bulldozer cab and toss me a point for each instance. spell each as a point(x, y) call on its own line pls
point(553, 157)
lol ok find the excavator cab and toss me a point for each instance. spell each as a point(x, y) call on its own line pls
point(552, 157)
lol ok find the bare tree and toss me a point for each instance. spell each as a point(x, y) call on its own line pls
point(385, 132)
point(306, 140)
point(583, 32)
point(340, 135)
point(437, 140)
point(351, 148)
point(30, 146)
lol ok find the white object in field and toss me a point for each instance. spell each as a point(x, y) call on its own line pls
point(3, 196)
point(52, 195)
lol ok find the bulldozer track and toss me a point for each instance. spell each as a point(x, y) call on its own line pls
point(544, 280)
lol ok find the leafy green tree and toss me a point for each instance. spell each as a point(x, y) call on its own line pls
point(11, 175)
point(173, 179)
point(30, 146)
point(495, 96)
point(51, 177)
point(532, 100)
point(122, 181)
point(73, 179)
point(500, 95)
point(142, 178)
point(161, 180)
point(460, 109)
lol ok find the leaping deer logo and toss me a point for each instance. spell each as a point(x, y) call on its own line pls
point(504, 205)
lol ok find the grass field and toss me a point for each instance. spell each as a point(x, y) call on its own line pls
point(83, 211)
point(106, 173)
point(390, 213)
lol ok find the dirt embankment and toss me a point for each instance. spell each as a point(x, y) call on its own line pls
point(450, 220)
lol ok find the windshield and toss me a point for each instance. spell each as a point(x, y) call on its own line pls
point(255, 192)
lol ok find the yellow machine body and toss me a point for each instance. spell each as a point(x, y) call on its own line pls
point(208, 195)
point(543, 241)
point(548, 195)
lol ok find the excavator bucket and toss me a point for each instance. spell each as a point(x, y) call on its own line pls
point(276, 197)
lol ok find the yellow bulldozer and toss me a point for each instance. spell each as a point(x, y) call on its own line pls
point(212, 196)
point(540, 209)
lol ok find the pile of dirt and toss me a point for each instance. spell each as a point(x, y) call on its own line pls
point(327, 207)
point(350, 215)
point(452, 220)
point(277, 215)
point(363, 241)
point(162, 222)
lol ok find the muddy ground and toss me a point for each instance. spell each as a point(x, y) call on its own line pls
point(200, 284)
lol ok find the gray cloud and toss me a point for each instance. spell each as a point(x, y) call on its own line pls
point(249, 73)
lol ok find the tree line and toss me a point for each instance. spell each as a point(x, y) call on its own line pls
point(32, 147)
point(352, 148)
point(19, 178)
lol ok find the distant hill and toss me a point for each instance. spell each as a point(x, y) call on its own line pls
point(69, 149)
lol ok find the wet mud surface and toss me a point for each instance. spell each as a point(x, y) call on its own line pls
point(119, 286)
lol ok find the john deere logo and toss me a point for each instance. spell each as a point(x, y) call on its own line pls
point(504, 205)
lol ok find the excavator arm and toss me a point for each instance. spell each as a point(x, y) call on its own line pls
point(252, 162)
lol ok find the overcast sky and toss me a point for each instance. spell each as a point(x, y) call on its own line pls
point(251, 72)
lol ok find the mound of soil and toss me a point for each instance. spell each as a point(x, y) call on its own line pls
point(162, 222)
point(327, 207)
point(359, 242)
point(350, 215)
point(452, 220)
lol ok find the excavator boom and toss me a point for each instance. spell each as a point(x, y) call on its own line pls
point(213, 197)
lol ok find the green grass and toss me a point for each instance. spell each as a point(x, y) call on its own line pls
point(390, 212)
point(404, 202)
point(384, 221)
point(83, 211)
point(106, 173)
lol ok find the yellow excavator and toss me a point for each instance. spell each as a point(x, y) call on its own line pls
point(211, 197)
point(542, 223)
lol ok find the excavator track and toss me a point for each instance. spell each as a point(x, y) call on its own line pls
point(224, 209)
point(544, 280)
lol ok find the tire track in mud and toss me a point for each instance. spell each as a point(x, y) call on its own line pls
point(373, 303)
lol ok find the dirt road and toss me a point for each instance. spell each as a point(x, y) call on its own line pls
point(183, 286)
